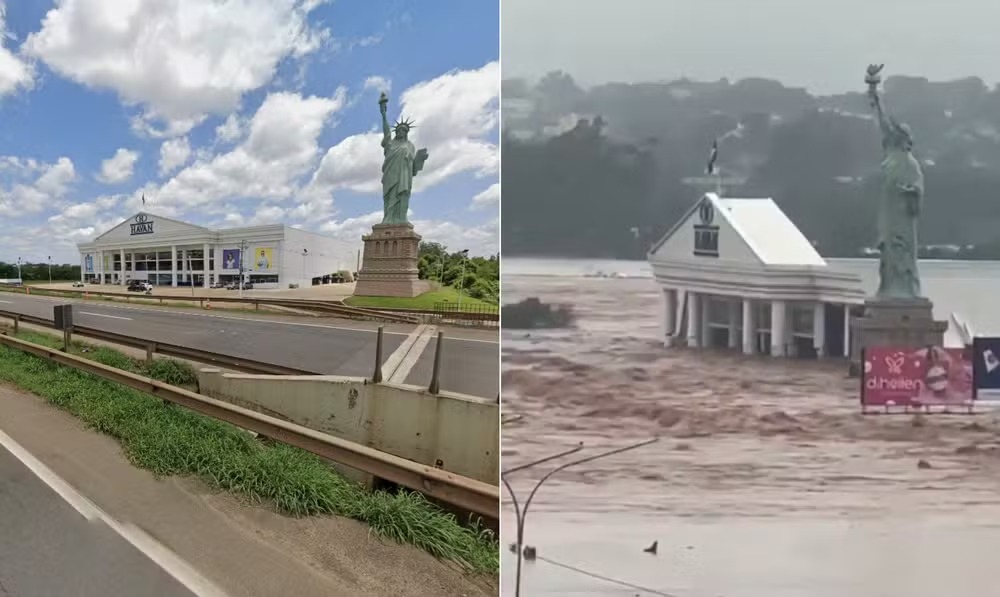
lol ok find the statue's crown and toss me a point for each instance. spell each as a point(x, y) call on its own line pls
point(404, 124)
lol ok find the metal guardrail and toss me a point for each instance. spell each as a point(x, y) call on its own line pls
point(330, 307)
point(166, 349)
point(463, 492)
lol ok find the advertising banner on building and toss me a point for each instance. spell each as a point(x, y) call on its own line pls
point(986, 368)
point(898, 376)
point(107, 263)
point(263, 258)
point(231, 259)
point(88, 263)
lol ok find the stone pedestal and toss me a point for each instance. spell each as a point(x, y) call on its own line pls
point(389, 262)
point(894, 322)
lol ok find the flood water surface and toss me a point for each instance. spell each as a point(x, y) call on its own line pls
point(766, 480)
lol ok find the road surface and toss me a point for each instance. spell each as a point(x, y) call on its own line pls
point(469, 365)
point(47, 548)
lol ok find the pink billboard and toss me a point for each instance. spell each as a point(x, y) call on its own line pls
point(895, 376)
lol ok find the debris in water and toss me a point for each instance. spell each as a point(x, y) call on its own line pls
point(532, 313)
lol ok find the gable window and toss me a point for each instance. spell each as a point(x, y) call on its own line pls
point(706, 240)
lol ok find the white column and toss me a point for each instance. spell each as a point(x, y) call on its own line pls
point(173, 265)
point(847, 331)
point(132, 260)
point(734, 321)
point(778, 340)
point(669, 313)
point(121, 259)
point(749, 327)
point(205, 267)
point(694, 319)
point(819, 328)
point(704, 331)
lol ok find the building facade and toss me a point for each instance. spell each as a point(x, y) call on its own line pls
point(738, 274)
point(167, 252)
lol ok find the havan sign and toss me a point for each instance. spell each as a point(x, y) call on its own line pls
point(141, 225)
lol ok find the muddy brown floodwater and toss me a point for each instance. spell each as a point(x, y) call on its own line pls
point(767, 481)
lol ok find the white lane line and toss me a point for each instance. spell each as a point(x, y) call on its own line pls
point(413, 355)
point(105, 315)
point(255, 320)
point(173, 565)
point(390, 365)
point(6, 302)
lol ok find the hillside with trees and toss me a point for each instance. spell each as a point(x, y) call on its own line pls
point(600, 172)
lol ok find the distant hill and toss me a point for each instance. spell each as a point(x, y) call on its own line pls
point(598, 172)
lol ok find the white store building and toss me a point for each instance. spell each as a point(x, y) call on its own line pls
point(166, 252)
point(737, 273)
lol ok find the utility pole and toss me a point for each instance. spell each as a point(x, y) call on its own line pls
point(19, 271)
point(521, 510)
point(50, 270)
point(461, 287)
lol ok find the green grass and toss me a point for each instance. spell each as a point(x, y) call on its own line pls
point(170, 440)
point(423, 301)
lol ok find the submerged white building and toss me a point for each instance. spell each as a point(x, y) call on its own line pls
point(737, 273)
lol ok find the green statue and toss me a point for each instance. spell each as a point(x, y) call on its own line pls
point(899, 210)
point(402, 162)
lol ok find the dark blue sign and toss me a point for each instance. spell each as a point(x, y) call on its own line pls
point(986, 368)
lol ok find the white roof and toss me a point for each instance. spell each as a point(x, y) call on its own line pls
point(768, 231)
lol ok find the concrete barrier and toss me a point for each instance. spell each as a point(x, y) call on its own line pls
point(454, 432)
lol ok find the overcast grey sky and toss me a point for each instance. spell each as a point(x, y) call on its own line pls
point(823, 45)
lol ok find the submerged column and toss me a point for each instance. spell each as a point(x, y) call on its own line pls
point(733, 320)
point(694, 319)
point(749, 327)
point(669, 313)
point(778, 309)
point(819, 328)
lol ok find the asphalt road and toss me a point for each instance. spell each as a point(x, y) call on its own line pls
point(470, 359)
point(48, 549)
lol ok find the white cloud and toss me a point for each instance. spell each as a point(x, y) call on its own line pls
point(454, 114)
point(230, 130)
point(488, 197)
point(174, 153)
point(119, 167)
point(378, 83)
point(280, 147)
point(28, 186)
point(177, 59)
point(15, 73)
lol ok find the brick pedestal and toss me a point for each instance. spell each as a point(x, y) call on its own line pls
point(389, 262)
point(895, 322)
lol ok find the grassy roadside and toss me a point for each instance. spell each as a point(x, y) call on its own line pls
point(422, 301)
point(170, 440)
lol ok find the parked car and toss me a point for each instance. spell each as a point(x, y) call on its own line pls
point(236, 286)
point(220, 285)
point(78, 284)
point(139, 286)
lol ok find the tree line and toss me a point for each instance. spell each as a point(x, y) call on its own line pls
point(481, 278)
point(40, 271)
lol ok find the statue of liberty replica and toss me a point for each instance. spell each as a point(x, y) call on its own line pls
point(899, 208)
point(898, 314)
point(389, 265)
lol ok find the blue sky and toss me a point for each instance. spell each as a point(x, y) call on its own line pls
point(238, 113)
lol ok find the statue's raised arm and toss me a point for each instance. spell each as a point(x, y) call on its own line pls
point(873, 78)
point(383, 102)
